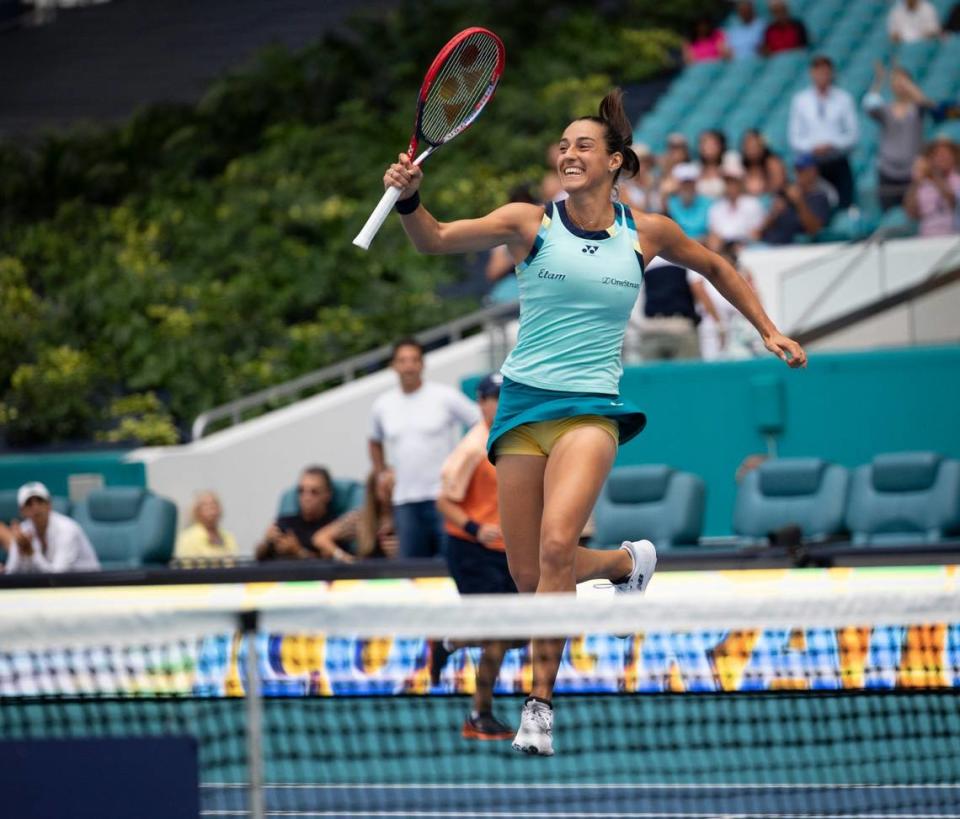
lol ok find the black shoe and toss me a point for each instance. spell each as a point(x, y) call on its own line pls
point(485, 726)
point(439, 654)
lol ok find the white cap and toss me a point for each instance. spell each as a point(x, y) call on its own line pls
point(686, 172)
point(34, 489)
point(731, 168)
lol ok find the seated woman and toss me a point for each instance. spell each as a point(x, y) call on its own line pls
point(707, 43)
point(764, 171)
point(204, 540)
point(933, 198)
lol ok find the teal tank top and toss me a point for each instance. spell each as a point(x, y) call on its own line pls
point(577, 290)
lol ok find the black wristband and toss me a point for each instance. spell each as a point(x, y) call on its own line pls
point(408, 205)
point(472, 528)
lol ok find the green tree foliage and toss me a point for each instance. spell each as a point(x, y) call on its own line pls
point(196, 253)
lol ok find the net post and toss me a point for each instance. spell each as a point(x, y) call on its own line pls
point(254, 703)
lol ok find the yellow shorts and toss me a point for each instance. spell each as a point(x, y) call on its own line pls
point(539, 437)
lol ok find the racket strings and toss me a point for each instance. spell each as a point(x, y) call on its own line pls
point(461, 84)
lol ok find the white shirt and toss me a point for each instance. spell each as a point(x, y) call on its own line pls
point(736, 221)
point(913, 26)
point(823, 119)
point(418, 430)
point(68, 549)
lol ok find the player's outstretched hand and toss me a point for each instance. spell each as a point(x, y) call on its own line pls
point(404, 175)
point(786, 349)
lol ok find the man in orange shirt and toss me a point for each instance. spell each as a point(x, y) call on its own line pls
point(476, 553)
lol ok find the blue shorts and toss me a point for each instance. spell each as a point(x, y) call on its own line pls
point(521, 404)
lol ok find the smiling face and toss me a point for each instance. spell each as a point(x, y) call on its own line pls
point(583, 162)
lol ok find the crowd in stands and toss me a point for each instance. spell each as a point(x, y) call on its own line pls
point(823, 125)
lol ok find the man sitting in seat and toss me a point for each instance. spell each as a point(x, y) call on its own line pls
point(45, 541)
point(309, 533)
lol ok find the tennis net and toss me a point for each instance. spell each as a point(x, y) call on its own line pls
point(801, 693)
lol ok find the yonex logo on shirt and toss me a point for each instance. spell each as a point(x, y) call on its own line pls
point(589, 249)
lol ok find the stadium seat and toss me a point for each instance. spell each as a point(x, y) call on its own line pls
point(808, 492)
point(898, 222)
point(347, 495)
point(9, 509)
point(654, 502)
point(128, 526)
point(905, 497)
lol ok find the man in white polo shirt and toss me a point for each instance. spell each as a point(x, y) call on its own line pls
point(413, 428)
point(45, 541)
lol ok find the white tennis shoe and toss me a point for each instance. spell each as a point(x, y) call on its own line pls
point(644, 557)
point(535, 735)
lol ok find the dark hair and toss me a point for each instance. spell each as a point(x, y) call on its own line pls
point(406, 341)
point(522, 193)
point(767, 153)
point(319, 472)
point(720, 136)
point(821, 59)
point(617, 131)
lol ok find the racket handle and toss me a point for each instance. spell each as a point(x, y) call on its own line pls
point(377, 218)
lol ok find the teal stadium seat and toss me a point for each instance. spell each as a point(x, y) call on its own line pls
point(9, 509)
point(905, 497)
point(654, 502)
point(808, 492)
point(128, 526)
point(347, 495)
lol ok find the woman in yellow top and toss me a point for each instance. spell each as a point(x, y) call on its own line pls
point(204, 539)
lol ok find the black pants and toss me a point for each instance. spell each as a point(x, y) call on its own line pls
point(890, 190)
point(836, 170)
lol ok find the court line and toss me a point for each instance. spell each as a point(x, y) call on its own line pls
point(584, 815)
point(640, 786)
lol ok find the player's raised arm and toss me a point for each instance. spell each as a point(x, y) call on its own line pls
point(514, 225)
point(662, 237)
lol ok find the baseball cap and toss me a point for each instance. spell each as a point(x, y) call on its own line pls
point(489, 386)
point(731, 169)
point(803, 161)
point(686, 172)
point(33, 489)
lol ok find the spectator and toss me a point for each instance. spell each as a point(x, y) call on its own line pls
point(500, 269)
point(687, 207)
point(678, 150)
point(933, 196)
point(476, 554)
point(724, 333)
point(640, 190)
point(901, 132)
point(371, 526)
point(736, 217)
point(550, 188)
point(911, 21)
point(46, 542)
point(764, 171)
point(204, 539)
point(802, 207)
point(823, 122)
point(745, 34)
point(707, 43)
point(309, 533)
point(711, 147)
point(668, 329)
point(416, 425)
point(784, 33)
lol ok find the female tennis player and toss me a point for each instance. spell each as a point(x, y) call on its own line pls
point(560, 420)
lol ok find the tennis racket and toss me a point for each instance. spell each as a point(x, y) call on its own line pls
point(459, 83)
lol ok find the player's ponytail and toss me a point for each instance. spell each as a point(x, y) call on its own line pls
point(618, 132)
